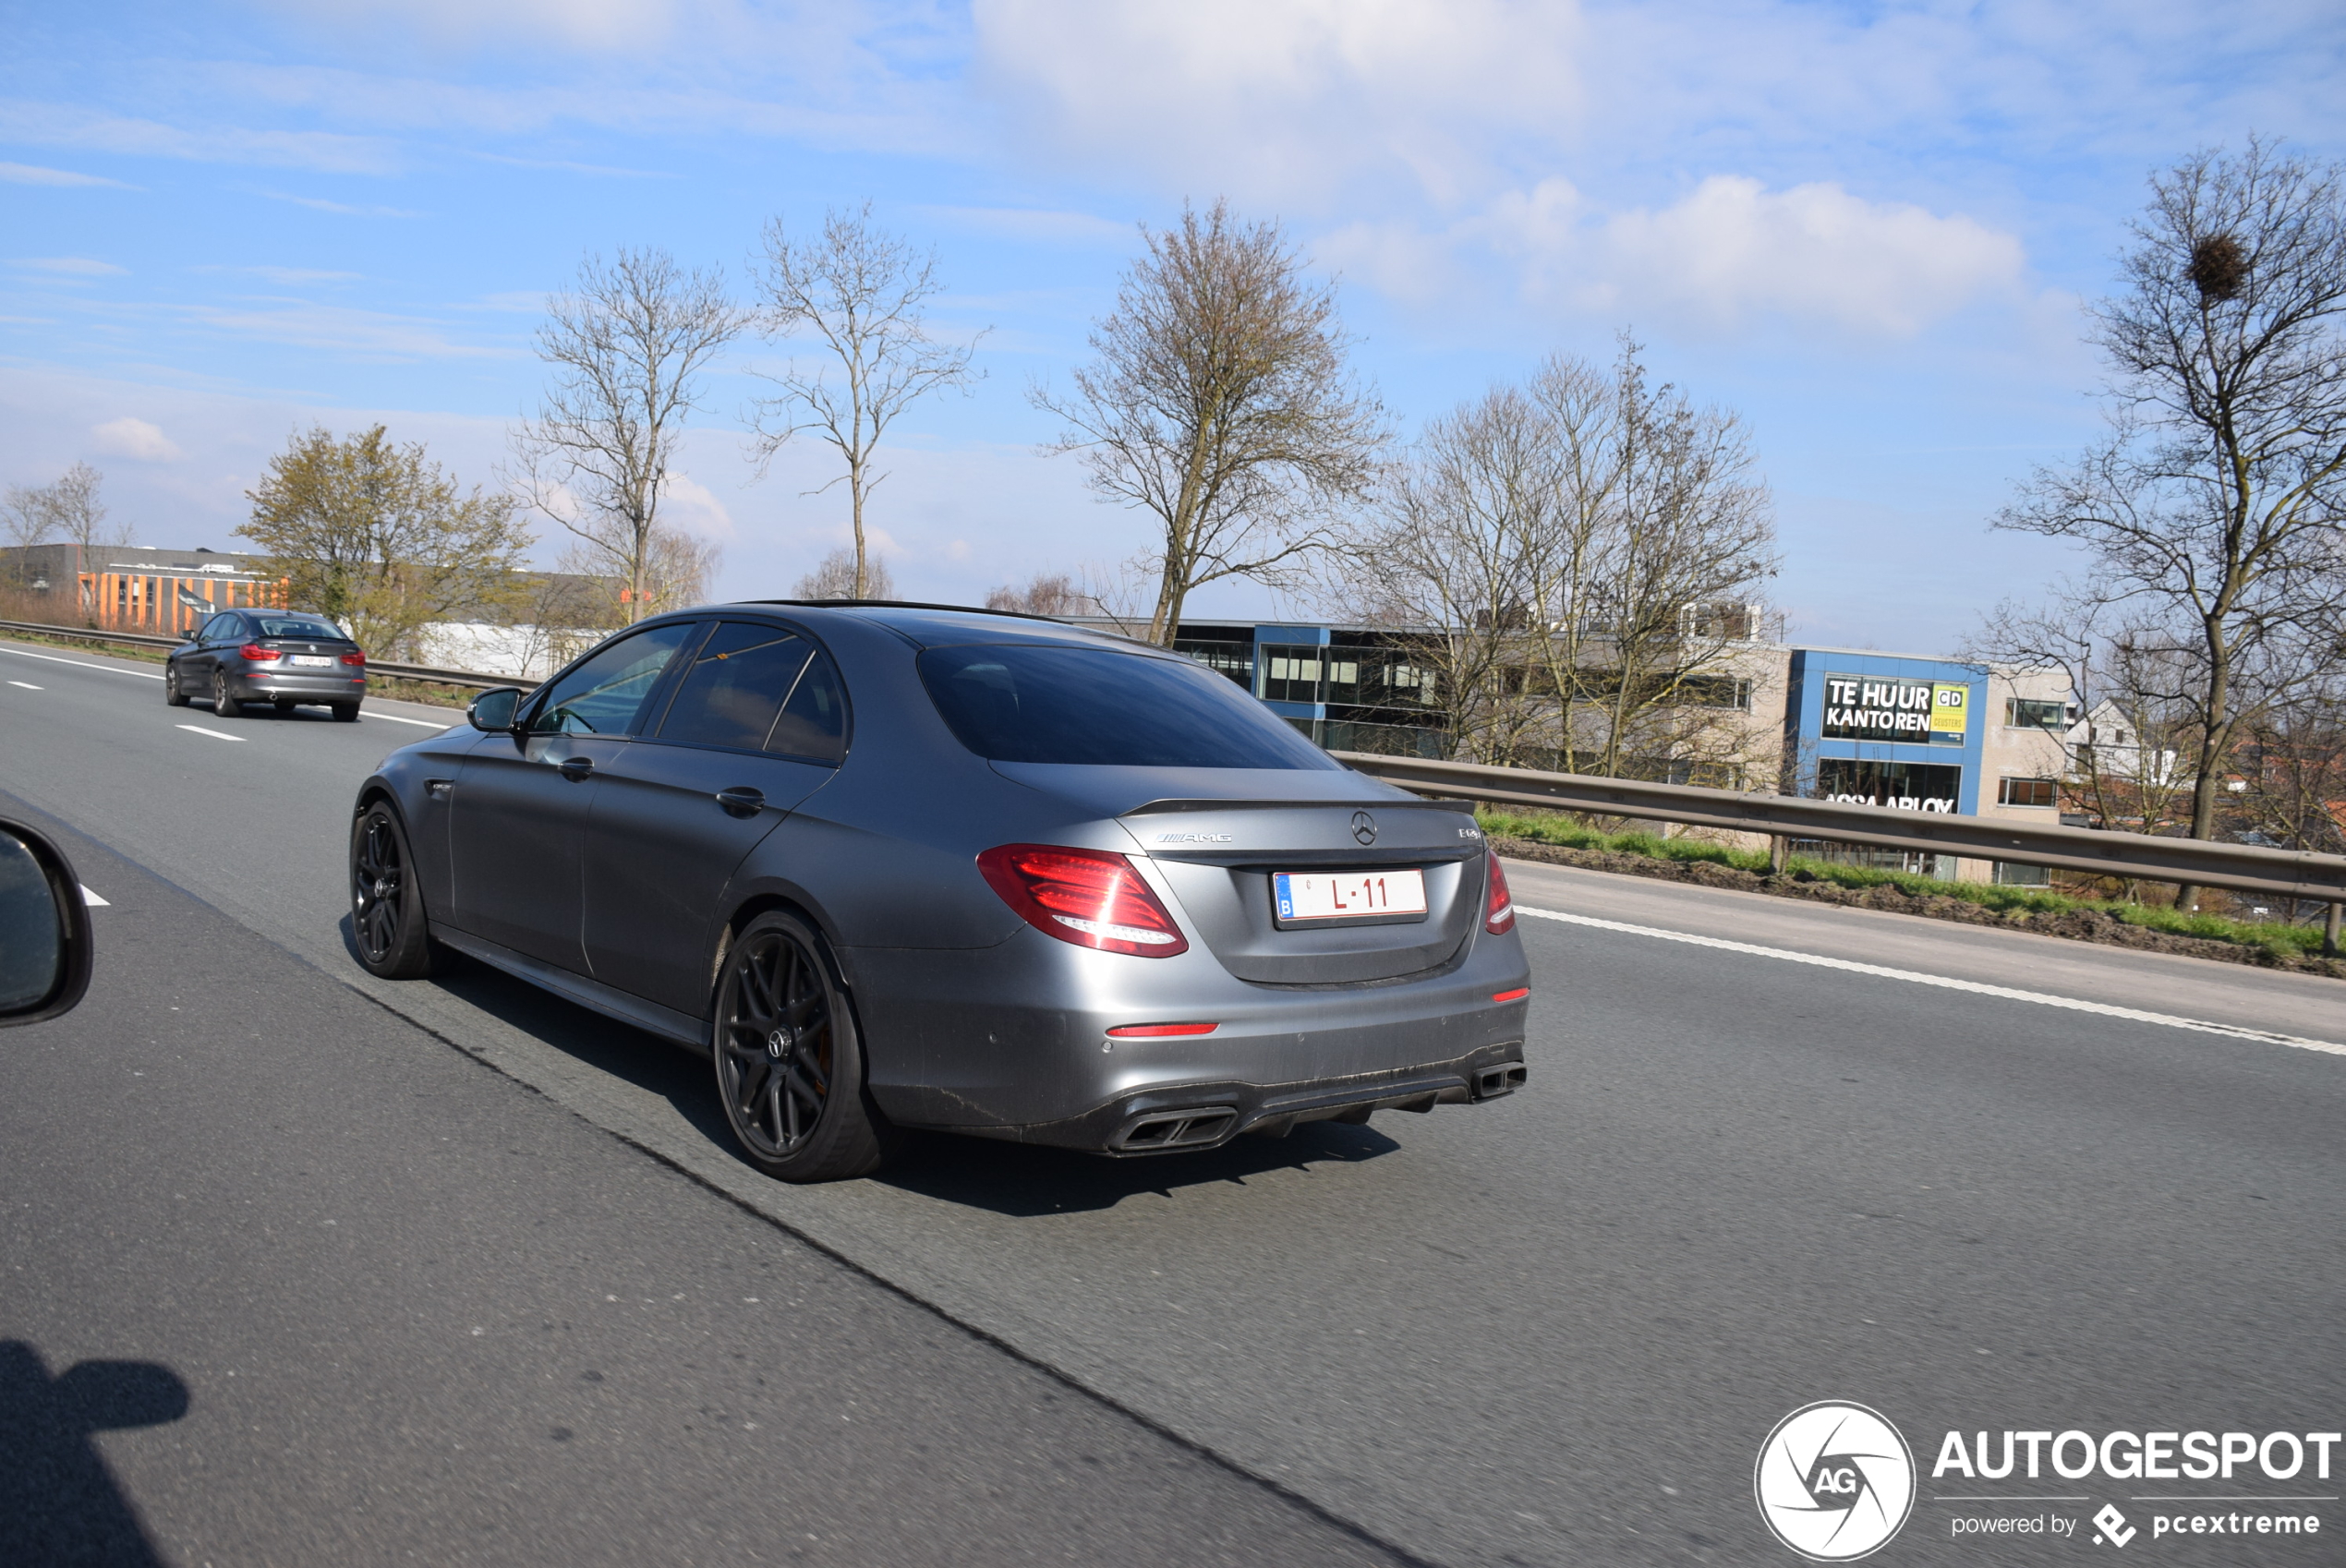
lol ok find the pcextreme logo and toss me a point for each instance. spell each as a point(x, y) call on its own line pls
point(1835, 1481)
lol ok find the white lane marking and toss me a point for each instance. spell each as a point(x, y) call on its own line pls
point(83, 664)
point(1946, 982)
point(426, 723)
point(28, 685)
point(216, 734)
point(94, 901)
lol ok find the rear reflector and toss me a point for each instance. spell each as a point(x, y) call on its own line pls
point(1091, 898)
point(1144, 1030)
point(1518, 995)
point(1498, 915)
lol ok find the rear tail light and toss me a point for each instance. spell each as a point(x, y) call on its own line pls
point(357, 658)
point(1498, 915)
point(258, 653)
point(1091, 898)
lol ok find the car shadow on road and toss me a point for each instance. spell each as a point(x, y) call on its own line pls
point(1019, 1180)
point(59, 1500)
point(633, 1056)
point(1024, 1182)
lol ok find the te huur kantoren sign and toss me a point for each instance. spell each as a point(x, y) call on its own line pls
point(1861, 708)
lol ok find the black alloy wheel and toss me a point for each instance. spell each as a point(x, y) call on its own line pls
point(171, 692)
point(222, 704)
point(789, 1065)
point(386, 906)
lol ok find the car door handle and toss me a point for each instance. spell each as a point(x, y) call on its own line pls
point(740, 800)
point(576, 768)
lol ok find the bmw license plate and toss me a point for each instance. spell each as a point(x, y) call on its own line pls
point(314, 661)
point(1350, 895)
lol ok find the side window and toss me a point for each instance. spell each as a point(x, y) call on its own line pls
point(600, 696)
point(734, 691)
point(224, 629)
point(813, 721)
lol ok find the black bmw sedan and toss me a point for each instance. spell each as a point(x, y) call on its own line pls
point(898, 866)
point(267, 656)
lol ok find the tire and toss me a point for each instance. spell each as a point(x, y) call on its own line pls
point(222, 704)
point(387, 917)
point(789, 1059)
point(171, 692)
point(345, 713)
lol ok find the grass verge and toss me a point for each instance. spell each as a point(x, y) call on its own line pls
point(2282, 940)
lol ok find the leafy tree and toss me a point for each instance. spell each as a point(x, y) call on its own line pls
point(374, 535)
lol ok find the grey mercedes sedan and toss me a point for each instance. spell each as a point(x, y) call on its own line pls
point(897, 866)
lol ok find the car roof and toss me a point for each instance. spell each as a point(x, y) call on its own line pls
point(936, 626)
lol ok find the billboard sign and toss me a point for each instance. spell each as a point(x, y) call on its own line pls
point(1866, 708)
point(1898, 786)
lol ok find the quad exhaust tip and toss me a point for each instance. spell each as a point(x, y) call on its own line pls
point(1180, 1129)
point(1504, 1079)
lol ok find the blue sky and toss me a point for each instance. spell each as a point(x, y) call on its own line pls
point(1868, 228)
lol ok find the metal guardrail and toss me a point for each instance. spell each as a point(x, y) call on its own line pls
point(471, 679)
point(2286, 873)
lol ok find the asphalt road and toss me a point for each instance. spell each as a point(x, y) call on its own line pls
point(1550, 1330)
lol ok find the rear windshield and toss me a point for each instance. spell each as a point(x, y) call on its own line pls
point(1109, 709)
point(298, 626)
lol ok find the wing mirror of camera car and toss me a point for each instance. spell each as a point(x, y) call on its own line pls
point(495, 709)
point(44, 929)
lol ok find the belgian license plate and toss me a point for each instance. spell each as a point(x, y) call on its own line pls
point(314, 661)
point(1348, 895)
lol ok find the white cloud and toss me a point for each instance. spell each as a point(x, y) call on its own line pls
point(695, 508)
point(1277, 99)
point(287, 277)
point(1035, 225)
point(582, 24)
point(1731, 250)
point(1728, 254)
point(30, 173)
point(59, 125)
point(135, 438)
point(319, 204)
point(70, 266)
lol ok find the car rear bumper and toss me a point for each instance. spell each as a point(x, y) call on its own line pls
point(256, 686)
point(1012, 1041)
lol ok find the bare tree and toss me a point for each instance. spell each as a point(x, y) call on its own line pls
point(1584, 557)
point(1220, 403)
point(842, 575)
point(629, 344)
point(2130, 683)
point(2211, 514)
point(863, 293)
point(1049, 593)
point(66, 509)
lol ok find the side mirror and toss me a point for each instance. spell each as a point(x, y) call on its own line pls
point(44, 929)
point(493, 710)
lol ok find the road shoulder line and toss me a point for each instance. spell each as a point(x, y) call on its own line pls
point(1917, 977)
